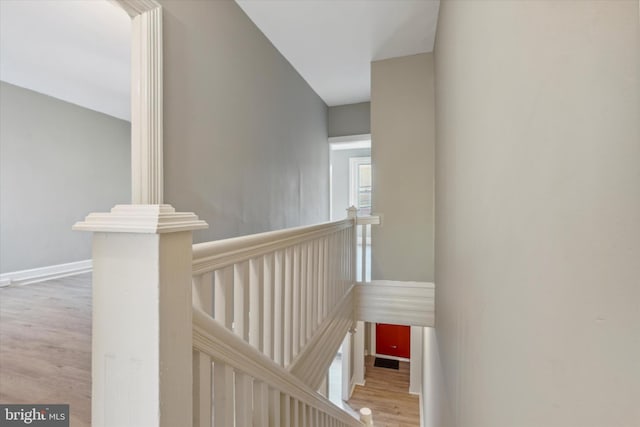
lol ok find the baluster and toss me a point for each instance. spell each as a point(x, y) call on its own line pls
point(319, 280)
point(223, 374)
point(343, 263)
point(315, 297)
point(222, 395)
point(202, 367)
point(330, 259)
point(302, 302)
point(278, 307)
point(274, 408)
point(288, 306)
point(256, 302)
point(309, 303)
point(327, 276)
point(335, 268)
point(363, 254)
point(295, 412)
point(260, 404)
point(223, 296)
point(241, 300)
point(268, 305)
point(285, 411)
point(244, 400)
point(295, 343)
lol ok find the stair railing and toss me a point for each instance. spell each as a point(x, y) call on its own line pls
point(252, 390)
point(270, 291)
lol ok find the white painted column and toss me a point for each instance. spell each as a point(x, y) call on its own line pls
point(142, 318)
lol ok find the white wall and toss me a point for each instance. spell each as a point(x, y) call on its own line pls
point(245, 136)
point(58, 162)
point(402, 150)
point(538, 212)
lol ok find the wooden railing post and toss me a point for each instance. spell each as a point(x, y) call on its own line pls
point(142, 316)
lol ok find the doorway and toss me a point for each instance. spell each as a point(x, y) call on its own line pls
point(342, 179)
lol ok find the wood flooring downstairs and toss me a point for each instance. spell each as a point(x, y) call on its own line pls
point(45, 345)
point(386, 393)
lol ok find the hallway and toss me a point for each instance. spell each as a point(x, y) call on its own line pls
point(386, 393)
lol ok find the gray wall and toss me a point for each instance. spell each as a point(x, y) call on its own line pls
point(350, 119)
point(402, 149)
point(58, 162)
point(538, 212)
point(245, 136)
point(340, 179)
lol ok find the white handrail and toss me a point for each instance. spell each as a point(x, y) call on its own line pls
point(210, 256)
point(372, 219)
point(223, 346)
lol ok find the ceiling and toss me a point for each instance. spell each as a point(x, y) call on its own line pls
point(77, 51)
point(331, 43)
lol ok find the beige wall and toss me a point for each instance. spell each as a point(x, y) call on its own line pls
point(245, 136)
point(350, 119)
point(538, 212)
point(402, 150)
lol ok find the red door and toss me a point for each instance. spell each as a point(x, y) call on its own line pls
point(393, 340)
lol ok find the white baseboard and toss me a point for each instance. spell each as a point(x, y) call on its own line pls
point(35, 275)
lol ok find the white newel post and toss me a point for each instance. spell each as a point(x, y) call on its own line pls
point(142, 316)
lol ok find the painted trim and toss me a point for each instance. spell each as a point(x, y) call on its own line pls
point(350, 138)
point(395, 302)
point(350, 142)
point(147, 179)
point(41, 274)
point(153, 219)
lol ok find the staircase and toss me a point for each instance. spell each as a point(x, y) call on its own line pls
point(230, 333)
point(270, 311)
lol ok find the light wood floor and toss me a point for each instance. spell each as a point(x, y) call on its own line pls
point(45, 345)
point(386, 393)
